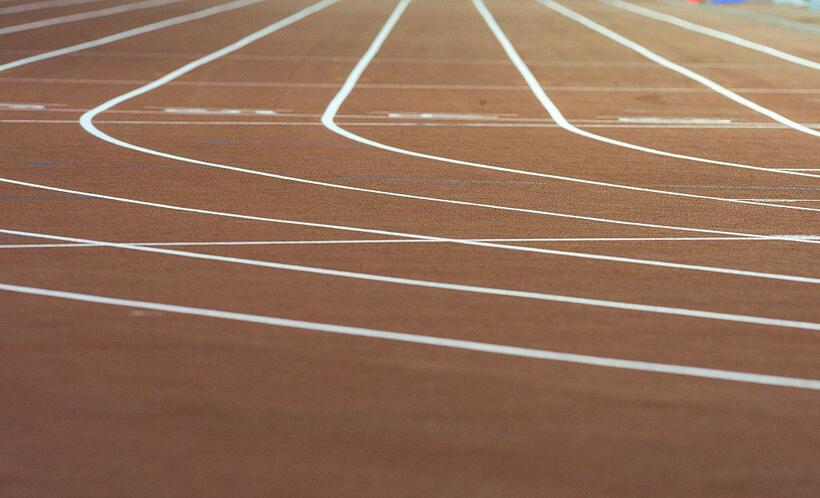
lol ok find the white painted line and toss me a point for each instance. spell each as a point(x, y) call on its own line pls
point(88, 125)
point(559, 118)
point(535, 250)
point(410, 86)
point(645, 52)
point(661, 120)
point(438, 115)
point(681, 23)
point(87, 122)
point(783, 200)
point(6, 106)
point(329, 116)
point(45, 4)
point(172, 21)
point(199, 110)
point(486, 124)
point(110, 11)
point(482, 347)
point(710, 315)
point(402, 241)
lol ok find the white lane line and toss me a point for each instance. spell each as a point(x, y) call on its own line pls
point(408, 86)
point(559, 118)
point(710, 315)
point(783, 200)
point(535, 250)
point(46, 4)
point(398, 241)
point(482, 347)
point(86, 122)
point(645, 52)
point(329, 116)
point(88, 125)
point(664, 120)
point(426, 124)
point(172, 21)
point(86, 15)
point(714, 33)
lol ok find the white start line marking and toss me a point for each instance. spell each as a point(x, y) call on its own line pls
point(207, 111)
point(26, 106)
point(435, 115)
point(654, 120)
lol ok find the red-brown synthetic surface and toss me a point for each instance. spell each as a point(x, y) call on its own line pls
point(109, 401)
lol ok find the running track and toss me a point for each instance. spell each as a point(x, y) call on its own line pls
point(407, 248)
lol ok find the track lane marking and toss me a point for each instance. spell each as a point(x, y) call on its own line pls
point(86, 121)
point(714, 33)
point(329, 116)
point(599, 257)
point(110, 11)
point(663, 264)
point(172, 21)
point(246, 40)
point(46, 4)
point(457, 287)
point(483, 347)
point(395, 241)
point(556, 114)
point(645, 52)
point(426, 124)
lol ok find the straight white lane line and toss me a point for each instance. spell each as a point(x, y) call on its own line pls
point(482, 347)
point(603, 303)
point(172, 21)
point(558, 117)
point(645, 52)
point(330, 114)
point(46, 4)
point(86, 15)
point(714, 33)
point(425, 124)
point(535, 250)
point(393, 241)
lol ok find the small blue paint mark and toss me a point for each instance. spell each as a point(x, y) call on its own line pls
point(42, 164)
point(221, 142)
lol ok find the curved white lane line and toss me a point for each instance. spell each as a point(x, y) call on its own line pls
point(86, 121)
point(86, 15)
point(560, 120)
point(46, 4)
point(645, 52)
point(559, 298)
point(128, 33)
point(714, 33)
point(330, 113)
point(482, 347)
